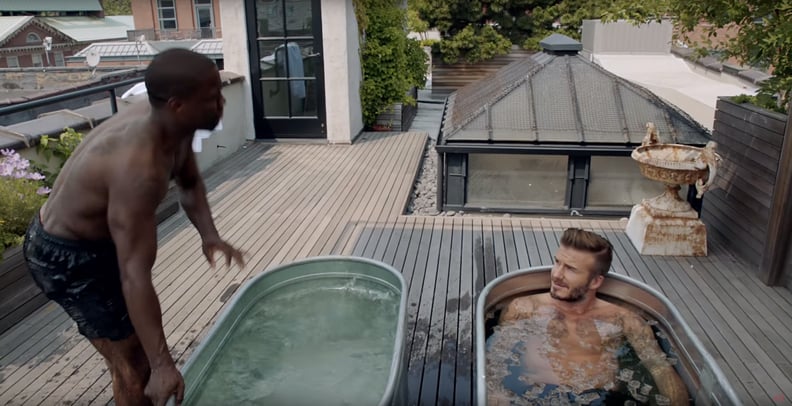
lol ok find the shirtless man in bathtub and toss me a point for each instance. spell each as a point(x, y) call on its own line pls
point(567, 340)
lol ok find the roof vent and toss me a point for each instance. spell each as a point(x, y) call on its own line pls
point(558, 44)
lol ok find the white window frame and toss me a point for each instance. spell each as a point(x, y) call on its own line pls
point(40, 63)
point(12, 58)
point(162, 20)
point(60, 60)
point(33, 38)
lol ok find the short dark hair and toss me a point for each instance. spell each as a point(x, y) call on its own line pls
point(176, 72)
point(594, 243)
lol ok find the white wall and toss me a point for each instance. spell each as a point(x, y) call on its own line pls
point(625, 38)
point(342, 71)
point(230, 139)
point(341, 57)
point(236, 59)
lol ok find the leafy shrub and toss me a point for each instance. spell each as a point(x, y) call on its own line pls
point(762, 100)
point(22, 193)
point(392, 63)
point(474, 45)
point(60, 148)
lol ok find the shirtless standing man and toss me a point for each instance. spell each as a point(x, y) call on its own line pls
point(93, 244)
point(567, 339)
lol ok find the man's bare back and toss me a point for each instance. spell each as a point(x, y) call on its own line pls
point(124, 150)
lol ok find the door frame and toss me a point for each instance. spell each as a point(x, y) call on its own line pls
point(294, 127)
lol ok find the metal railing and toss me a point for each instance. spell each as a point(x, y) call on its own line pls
point(110, 88)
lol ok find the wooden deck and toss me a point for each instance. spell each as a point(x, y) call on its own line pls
point(280, 202)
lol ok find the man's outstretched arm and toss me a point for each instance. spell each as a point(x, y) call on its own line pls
point(642, 339)
point(131, 218)
point(193, 200)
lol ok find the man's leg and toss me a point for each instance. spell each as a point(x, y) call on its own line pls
point(129, 367)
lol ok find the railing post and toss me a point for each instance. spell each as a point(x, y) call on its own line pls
point(113, 101)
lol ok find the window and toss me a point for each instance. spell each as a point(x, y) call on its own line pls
point(204, 18)
point(616, 181)
point(59, 60)
point(517, 181)
point(167, 14)
point(12, 61)
point(33, 38)
point(37, 60)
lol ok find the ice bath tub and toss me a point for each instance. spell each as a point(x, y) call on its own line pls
point(326, 330)
point(705, 381)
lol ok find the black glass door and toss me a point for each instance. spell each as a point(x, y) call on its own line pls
point(286, 68)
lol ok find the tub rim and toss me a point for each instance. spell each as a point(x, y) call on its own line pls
point(398, 352)
point(481, 305)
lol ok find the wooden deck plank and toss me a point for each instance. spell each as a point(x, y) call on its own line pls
point(499, 243)
point(534, 257)
point(431, 383)
point(520, 248)
point(463, 393)
point(490, 256)
point(448, 357)
point(420, 305)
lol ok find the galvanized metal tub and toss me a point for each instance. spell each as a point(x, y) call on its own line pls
point(313, 271)
point(705, 381)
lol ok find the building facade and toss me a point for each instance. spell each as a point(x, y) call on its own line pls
point(177, 19)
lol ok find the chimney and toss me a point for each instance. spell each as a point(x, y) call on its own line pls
point(558, 44)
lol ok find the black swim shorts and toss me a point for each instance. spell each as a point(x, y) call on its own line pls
point(82, 277)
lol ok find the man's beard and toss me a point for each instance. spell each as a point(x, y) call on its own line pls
point(575, 295)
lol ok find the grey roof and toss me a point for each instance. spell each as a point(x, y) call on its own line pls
point(9, 25)
point(209, 47)
point(560, 43)
point(131, 49)
point(118, 49)
point(50, 5)
point(562, 99)
point(86, 29)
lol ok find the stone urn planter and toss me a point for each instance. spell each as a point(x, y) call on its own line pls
point(667, 224)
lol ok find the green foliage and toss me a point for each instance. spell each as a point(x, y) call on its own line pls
point(19, 202)
point(392, 63)
point(762, 35)
point(762, 100)
point(474, 45)
point(21, 195)
point(117, 7)
point(527, 22)
point(60, 148)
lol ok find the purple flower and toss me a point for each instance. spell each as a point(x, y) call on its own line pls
point(43, 191)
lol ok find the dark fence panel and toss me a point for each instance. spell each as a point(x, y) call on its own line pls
point(737, 212)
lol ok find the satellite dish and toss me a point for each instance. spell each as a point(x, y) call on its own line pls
point(92, 59)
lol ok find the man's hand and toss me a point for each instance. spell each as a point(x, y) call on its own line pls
point(211, 246)
point(164, 383)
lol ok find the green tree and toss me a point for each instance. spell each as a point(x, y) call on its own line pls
point(391, 62)
point(526, 22)
point(761, 36)
point(117, 7)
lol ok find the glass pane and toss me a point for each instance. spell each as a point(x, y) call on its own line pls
point(269, 18)
point(275, 97)
point(204, 17)
point(298, 17)
point(308, 57)
point(169, 24)
point(167, 13)
point(616, 181)
point(203, 2)
point(517, 181)
point(272, 59)
point(304, 106)
point(165, 3)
